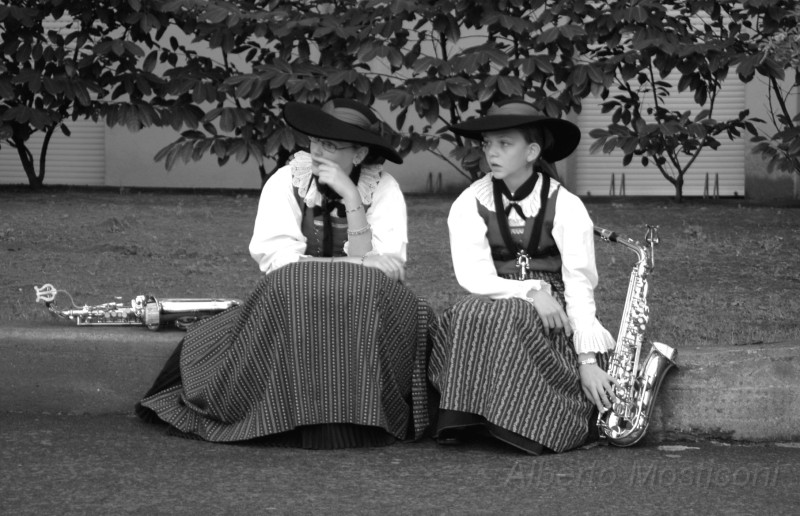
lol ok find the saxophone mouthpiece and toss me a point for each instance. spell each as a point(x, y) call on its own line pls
point(605, 234)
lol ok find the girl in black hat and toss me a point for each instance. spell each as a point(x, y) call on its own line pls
point(329, 351)
point(521, 358)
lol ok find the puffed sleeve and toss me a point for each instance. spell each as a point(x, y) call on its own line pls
point(388, 218)
point(472, 255)
point(277, 237)
point(573, 232)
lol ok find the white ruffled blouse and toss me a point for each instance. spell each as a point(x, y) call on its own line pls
point(278, 239)
point(573, 232)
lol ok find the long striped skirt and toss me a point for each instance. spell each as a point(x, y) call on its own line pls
point(319, 356)
point(495, 367)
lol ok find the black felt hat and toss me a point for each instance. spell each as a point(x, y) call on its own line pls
point(343, 120)
point(512, 113)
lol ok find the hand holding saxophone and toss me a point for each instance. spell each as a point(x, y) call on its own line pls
point(550, 311)
point(598, 386)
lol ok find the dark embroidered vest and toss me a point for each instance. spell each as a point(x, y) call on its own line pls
point(313, 227)
point(546, 257)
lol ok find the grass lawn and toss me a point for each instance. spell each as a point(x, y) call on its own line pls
point(727, 272)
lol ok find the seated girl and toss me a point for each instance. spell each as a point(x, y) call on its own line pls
point(329, 349)
point(521, 359)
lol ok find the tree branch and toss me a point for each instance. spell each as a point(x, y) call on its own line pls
point(777, 89)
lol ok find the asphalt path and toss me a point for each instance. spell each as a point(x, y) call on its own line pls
point(109, 465)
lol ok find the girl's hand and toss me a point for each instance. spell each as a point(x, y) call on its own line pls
point(330, 173)
point(550, 311)
point(598, 386)
point(389, 264)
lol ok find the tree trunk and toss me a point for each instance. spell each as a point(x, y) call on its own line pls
point(28, 164)
point(43, 154)
point(679, 188)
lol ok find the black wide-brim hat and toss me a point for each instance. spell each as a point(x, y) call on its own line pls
point(512, 114)
point(343, 120)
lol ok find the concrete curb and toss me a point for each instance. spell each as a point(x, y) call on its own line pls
point(61, 369)
point(746, 393)
point(741, 393)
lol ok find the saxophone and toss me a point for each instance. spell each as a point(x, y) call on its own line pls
point(141, 311)
point(625, 423)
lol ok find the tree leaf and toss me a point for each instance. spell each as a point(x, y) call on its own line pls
point(509, 86)
point(150, 61)
point(227, 119)
point(571, 31)
point(401, 118)
point(397, 98)
point(6, 90)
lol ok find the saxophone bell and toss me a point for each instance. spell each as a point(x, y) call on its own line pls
point(182, 312)
point(626, 423)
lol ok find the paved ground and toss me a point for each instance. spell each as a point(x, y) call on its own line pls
point(115, 464)
point(68, 445)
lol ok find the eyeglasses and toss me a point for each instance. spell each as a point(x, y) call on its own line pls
point(486, 145)
point(327, 145)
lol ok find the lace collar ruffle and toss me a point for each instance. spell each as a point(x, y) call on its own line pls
point(301, 179)
point(530, 205)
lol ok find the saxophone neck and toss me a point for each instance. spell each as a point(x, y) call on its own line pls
point(645, 253)
point(651, 237)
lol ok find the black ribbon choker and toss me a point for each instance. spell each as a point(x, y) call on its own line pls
point(519, 194)
point(500, 190)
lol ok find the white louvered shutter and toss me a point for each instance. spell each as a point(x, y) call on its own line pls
point(75, 160)
point(725, 166)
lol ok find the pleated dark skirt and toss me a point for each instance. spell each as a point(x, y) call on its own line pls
point(494, 366)
point(319, 356)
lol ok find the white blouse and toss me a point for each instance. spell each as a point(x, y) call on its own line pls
point(573, 232)
point(278, 239)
